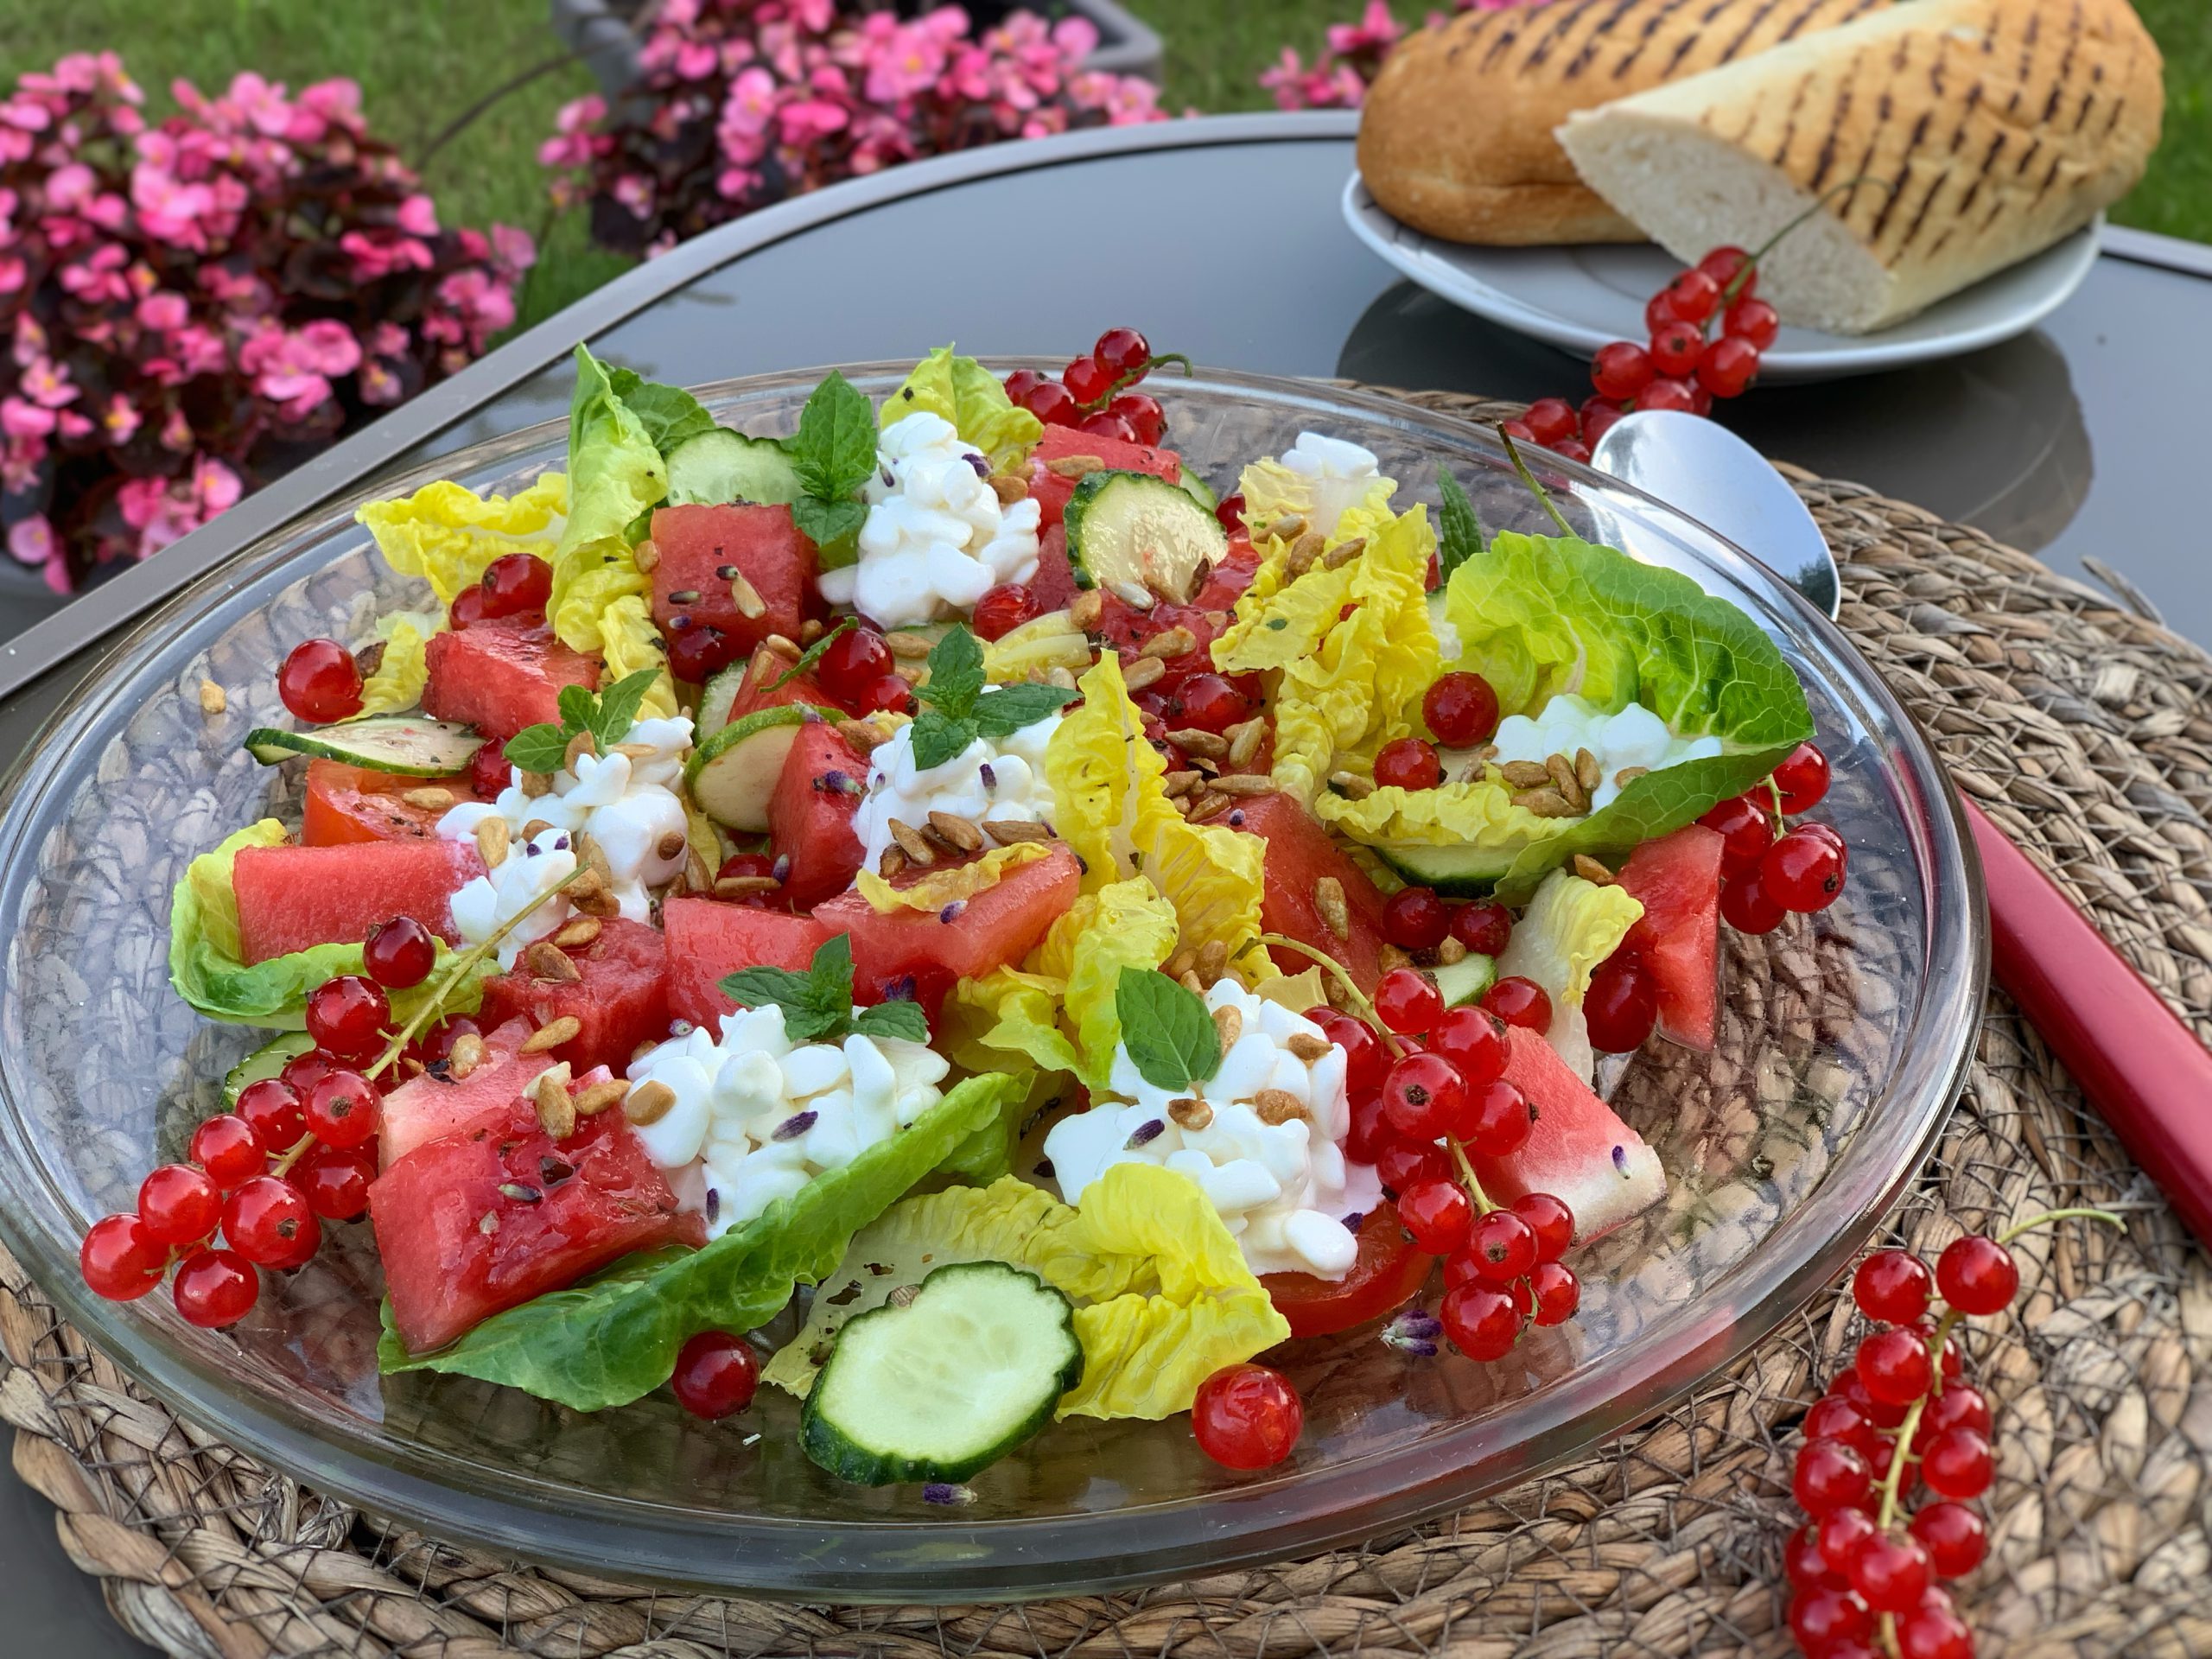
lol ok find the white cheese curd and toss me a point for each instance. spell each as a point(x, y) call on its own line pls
point(999, 778)
point(627, 802)
point(937, 537)
point(1285, 1190)
point(1634, 737)
point(757, 1116)
point(1341, 474)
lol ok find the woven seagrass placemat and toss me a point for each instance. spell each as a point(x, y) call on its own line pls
point(2081, 725)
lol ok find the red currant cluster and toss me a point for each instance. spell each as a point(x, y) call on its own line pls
point(1093, 393)
point(1767, 874)
point(1898, 1417)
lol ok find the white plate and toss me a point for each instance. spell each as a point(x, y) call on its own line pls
point(1578, 298)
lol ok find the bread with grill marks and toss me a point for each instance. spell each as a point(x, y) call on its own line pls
point(1943, 140)
point(1455, 138)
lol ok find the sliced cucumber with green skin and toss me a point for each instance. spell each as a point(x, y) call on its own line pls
point(718, 696)
point(734, 772)
point(264, 1062)
point(1197, 489)
point(722, 465)
point(1464, 981)
point(1457, 872)
point(946, 1385)
point(409, 746)
point(1133, 529)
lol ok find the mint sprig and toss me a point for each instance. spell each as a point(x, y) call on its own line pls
point(607, 717)
point(813, 653)
point(833, 452)
point(817, 1004)
point(962, 707)
point(1458, 532)
point(1170, 1036)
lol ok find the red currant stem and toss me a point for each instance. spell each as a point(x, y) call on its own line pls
point(1124, 382)
point(1899, 1457)
point(1543, 495)
point(282, 1167)
point(1750, 265)
point(1483, 1204)
point(812, 654)
point(2049, 1215)
point(1365, 1008)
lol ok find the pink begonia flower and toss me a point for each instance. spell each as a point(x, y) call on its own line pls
point(140, 498)
point(121, 418)
point(169, 209)
point(635, 192)
point(514, 246)
point(1375, 31)
point(418, 216)
point(176, 431)
point(164, 309)
point(810, 117)
point(379, 385)
point(20, 420)
point(46, 385)
point(69, 188)
point(337, 102)
point(486, 304)
point(236, 291)
point(31, 540)
point(378, 254)
point(199, 351)
point(387, 340)
point(107, 210)
point(328, 346)
point(697, 59)
point(13, 273)
point(98, 279)
point(24, 114)
point(73, 425)
point(214, 485)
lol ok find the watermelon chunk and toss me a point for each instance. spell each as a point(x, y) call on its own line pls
point(1677, 880)
point(292, 898)
point(485, 1219)
point(811, 815)
point(699, 547)
point(758, 689)
point(502, 675)
point(707, 939)
point(1578, 1148)
point(620, 1001)
point(1051, 491)
point(1000, 924)
point(429, 1107)
point(348, 803)
point(1052, 588)
point(1299, 853)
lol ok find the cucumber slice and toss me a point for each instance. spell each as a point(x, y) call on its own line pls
point(1458, 872)
point(734, 772)
point(724, 466)
point(1197, 489)
point(717, 697)
point(1464, 981)
point(947, 1384)
point(264, 1062)
point(411, 746)
point(1131, 528)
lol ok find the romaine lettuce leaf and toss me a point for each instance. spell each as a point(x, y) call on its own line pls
point(615, 1338)
point(669, 415)
point(399, 679)
point(446, 534)
point(1570, 925)
point(969, 396)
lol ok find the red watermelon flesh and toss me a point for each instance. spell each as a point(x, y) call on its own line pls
point(1578, 1150)
point(349, 803)
point(1677, 880)
point(292, 898)
point(707, 939)
point(503, 674)
point(429, 1107)
point(620, 1001)
point(1000, 924)
point(1301, 853)
point(1052, 491)
point(1052, 588)
point(700, 546)
point(811, 815)
point(759, 690)
point(483, 1220)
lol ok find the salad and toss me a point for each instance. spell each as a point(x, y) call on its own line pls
point(943, 872)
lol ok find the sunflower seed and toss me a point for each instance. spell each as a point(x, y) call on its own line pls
point(810, 630)
point(1206, 805)
point(1628, 775)
point(747, 598)
point(746, 886)
point(1193, 983)
point(430, 797)
point(1009, 489)
point(1351, 785)
point(1228, 1026)
point(1244, 739)
point(1545, 803)
point(646, 556)
point(1087, 608)
point(864, 737)
point(912, 842)
point(601, 1096)
point(556, 1112)
point(891, 864)
point(1343, 553)
point(1191, 740)
point(468, 1053)
point(1006, 831)
point(1177, 783)
point(214, 699)
point(369, 658)
point(535, 828)
point(964, 836)
point(1564, 780)
point(1587, 772)
point(1329, 899)
point(1526, 774)
point(780, 646)
point(535, 783)
point(552, 1036)
point(592, 857)
point(1388, 957)
point(648, 1102)
point(1277, 1106)
point(577, 933)
point(697, 876)
point(1303, 552)
point(1182, 963)
point(1136, 595)
point(1288, 528)
point(491, 842)
point(1074, 466)
point(1244, 783)
point(1451, 950)
point(578, 745)
point(1143, 673)
point(1170, 643)
point(1189, 1114)
point(548, 961)
point(670, 845)
point(1592, 871)
point(1308, 1047)
point(684, 596)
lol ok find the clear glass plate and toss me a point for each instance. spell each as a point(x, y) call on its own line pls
point(1843, 1043)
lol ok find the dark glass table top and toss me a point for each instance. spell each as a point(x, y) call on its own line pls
point(1223, 239)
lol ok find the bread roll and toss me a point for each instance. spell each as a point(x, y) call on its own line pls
point(1455, 135)
point(1991, 128)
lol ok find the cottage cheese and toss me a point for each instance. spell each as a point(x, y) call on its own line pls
point(1634, 737)
point(628, 805)
point(1341, 474)
point(757, 1116)
point(992, 778)
point(937, 537)
point(1285, 1189)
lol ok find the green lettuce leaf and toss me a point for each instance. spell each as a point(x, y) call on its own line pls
point(669, 415)
point(615, 1338)
point(969, 396)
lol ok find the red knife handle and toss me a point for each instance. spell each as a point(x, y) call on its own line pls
point(2141, 1067)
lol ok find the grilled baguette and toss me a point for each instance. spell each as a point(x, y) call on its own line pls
point(1987, 129)
point(1455, 135)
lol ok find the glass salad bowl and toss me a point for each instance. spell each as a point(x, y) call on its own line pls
point(1844, 1038)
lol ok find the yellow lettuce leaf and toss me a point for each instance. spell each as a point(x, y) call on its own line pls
point(447, 533)
point(1458, 814)
point(399, 679)
point(941, 887)
point(1570, 926)
point(1008, 1021)
point(1273, 490)
point(1052, 640)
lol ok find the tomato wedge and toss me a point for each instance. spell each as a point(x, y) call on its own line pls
point(1386, 1275)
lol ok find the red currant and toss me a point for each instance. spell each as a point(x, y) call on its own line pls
point(179, 1205)
point(1894, 1366)
point(1247, 1417)
point(1087, 380)
point(1520, 1001)
point(1414, 918)
point(1474, 1042)
point(1484, 926)
point(1002, 610)
point(1424, 1093)
point(1438, 1214)
point(1122, 351)
point(1367, 1139)
point(490, 771)
point(272, 1108)
point(1801, 1562)
point(1461, 710)
point(1933, 1633)
point(1890, 1573)
point(1621, 1006)
point(1210, 703)
point(1958, 1406)
point(1700, 399)
point(321, 681)
point(1504, 1246)
point(1802, 779)
point(1670, 394)
point(1403, 1164)
point(1558, 1292)
point(269, 1222)
point(716, 1375)
point(1143, 413)
point(346, 1017)
point(1657, 312)
point(1104, 424)
point(1844, 1535)
point(1408, 764)
point(1978, 1276)
point(1620, 370)
point(1728, 366)
point(1953, 1537)
point(1551, 1220)
point(1692, 297)
point(468, 608)
point(228, 1149)
point(1676, 348)
point(1958, 1463)
point(886, 694)
point(216, 1288)
point(1746, 830)
point(1054, 405)
point(698, 651)
point(1851, 1387)
point(299, 1075)
point(1829, 1476)
point(1407, 1002)
point(1802, 872)
point(1571, 449)
point(1020, 383)
point(342, 1109)
point(120, 1259)
point(1752, 320)
point(1600, 412)
point(1745, 907)
point(1832, 1418)
point(1366, 1060)
point(1518, 430)
point(1826, 1622)
point(402, 951)
point(1892, 1286)
point(1497, 1119)
point(1725, 264)
point(516, 584)
point(335, 1181)
point(1228, 511)
point(1482, 1320)
point(435, 1041)
point(1551, 419)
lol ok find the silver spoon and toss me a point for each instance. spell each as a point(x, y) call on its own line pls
point(2143, 1069)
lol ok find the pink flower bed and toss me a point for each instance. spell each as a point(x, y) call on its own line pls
point(744, 102)
point(1339, 77)
point(187, 310)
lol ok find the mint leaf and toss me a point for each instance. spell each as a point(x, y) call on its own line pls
point(617, 707)
point(1458, 532)
point(904, 1021)
point(817, 1004)
point(823, 522)
point(833, 452)
point(539, 748)
point(1007, 710)
point(577, 707)
point(938, 738)
point(812, 654)
point(1169, 1035)
point(956, 674)
point(669, 414)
